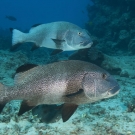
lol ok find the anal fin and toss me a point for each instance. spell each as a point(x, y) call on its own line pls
point(68, 110)
point(48, 113)
point(25, 107)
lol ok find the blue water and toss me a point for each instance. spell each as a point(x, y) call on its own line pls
point(29, 12)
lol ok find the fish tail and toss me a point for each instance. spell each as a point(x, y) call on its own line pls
point(17, 36)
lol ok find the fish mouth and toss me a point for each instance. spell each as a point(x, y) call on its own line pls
point(86, 43)
point(114, 91)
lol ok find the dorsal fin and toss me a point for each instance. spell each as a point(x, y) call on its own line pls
point(25, 67)
point(35, 25)
point(24, 73)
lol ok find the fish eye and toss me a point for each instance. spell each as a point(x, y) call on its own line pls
point(104, 76)
point(79, 33)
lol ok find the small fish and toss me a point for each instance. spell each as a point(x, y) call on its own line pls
point(82, 11)
point(12, 18)
point(69, 83)
point(63, 36)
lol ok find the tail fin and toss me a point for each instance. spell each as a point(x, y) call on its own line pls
point(17, 36)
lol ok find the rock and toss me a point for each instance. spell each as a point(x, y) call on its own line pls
point(10, 61)
point(112, 21)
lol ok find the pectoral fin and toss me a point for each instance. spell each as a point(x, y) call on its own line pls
point(80, 91)
point(58, 42)
point(24, 108)
point(68, 110)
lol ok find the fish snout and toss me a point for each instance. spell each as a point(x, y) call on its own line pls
point(114, 87)
point(86, 43)
point(115, 90)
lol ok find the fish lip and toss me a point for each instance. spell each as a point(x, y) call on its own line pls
point(86, 43)
point(114, 90)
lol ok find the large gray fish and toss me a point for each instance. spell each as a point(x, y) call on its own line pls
point(63, 36)
point(70, 83)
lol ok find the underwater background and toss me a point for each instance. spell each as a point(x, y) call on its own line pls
point(32, 12)
point(111, 24)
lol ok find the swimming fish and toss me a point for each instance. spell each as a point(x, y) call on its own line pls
point(69, 83)
point(63, 36)
point(12, 18)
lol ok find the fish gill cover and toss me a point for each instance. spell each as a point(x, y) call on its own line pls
point(111, 25)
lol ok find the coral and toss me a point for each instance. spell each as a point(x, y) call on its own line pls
point(10, 61)
point(118, 65)
point(131, 47)
point(97, 110)
point(112, 21)
point(131, 105)
point(39, 56)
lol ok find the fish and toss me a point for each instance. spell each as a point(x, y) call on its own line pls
point(11, 18)
point(63, 36)
point(65, 83)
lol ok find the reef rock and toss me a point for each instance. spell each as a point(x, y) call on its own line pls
point(113, 22)
point(118, 65)
point(10, 62)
